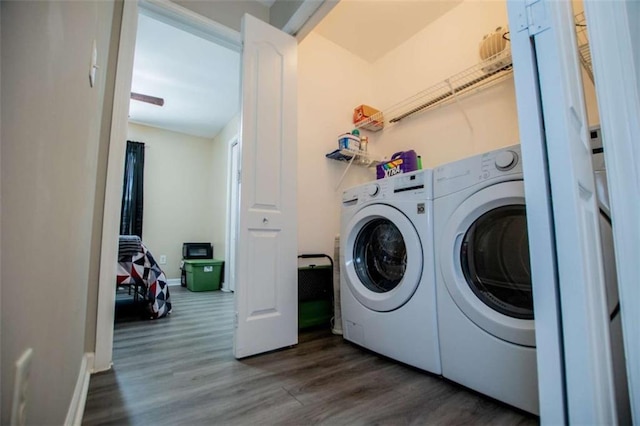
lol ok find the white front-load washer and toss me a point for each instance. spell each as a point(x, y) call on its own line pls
point(483, 277)
point(387, 292)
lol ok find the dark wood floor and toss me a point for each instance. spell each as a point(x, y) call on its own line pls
point(180, 370)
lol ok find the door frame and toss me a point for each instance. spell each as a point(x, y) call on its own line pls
point(174, 14)
point(232, 185)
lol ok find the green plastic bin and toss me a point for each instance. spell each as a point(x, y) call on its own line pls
point(203, 274)
point(315, 293)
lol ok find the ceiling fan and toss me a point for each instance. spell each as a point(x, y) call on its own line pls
point(146, 98)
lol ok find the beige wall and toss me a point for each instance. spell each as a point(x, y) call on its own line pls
point(446, 47)
point(50, 141)
point(178, 181)
point(331, 81)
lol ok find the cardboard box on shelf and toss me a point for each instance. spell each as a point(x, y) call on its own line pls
point(368, 118)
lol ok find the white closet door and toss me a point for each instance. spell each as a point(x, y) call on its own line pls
point(572, 327)
point(266, 257)
point(617, 75)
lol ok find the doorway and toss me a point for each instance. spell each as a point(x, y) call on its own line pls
point(208, 32)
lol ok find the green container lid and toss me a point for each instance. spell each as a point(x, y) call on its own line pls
point(203, 262)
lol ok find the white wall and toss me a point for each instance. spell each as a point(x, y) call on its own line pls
point(220, 184)
point(331, 82)
point(50, 136)
point(446, 47)
point(177, 192)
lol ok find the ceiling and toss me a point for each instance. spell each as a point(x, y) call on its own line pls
point(198, 80)
point(371, 28)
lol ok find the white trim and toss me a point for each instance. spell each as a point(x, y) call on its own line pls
point(230, 182)
point(186, 19)
point(173, 282)
point(79, 398)
point(113, 188)
point(618, 95)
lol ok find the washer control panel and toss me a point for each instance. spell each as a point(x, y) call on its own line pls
point(416, 184)
point(470, 171)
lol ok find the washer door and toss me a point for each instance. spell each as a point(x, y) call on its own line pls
point(485, 262)
point(383, 257)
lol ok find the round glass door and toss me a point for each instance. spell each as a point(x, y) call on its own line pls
point(495, 261)
point(484, 262)
point(380, 255)
point(383, 257)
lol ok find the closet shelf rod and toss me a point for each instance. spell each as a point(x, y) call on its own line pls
point(447, 95)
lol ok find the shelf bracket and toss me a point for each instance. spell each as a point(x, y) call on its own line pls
point(345, 172)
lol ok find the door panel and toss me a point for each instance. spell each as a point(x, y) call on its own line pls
point(544, 32)
point(266, 251)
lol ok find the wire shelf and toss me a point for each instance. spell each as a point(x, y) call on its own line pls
point(487, 73)
point(583, 43)
point(361, 158)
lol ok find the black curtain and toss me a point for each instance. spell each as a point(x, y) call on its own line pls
point(132, 190)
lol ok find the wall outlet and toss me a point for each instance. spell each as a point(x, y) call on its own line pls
point(163, 259)
point(21, 389)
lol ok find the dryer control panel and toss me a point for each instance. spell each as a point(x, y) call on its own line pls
point(470, 171)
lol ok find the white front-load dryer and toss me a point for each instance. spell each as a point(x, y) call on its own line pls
point(483, 277)
point(387, 293)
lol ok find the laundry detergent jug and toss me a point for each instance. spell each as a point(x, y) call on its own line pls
point(401, 162)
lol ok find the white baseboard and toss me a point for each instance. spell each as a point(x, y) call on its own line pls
point(76, 407)
point(173, 281)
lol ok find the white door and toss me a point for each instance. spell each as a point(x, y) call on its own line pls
point(617, 77)
point(569, 294)
point(266, 253)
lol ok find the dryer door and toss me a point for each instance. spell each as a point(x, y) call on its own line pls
point(485, 262)
point(383, 257)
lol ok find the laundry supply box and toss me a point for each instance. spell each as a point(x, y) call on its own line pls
point(401, 162)
point(368, 118)
point(203, 274)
